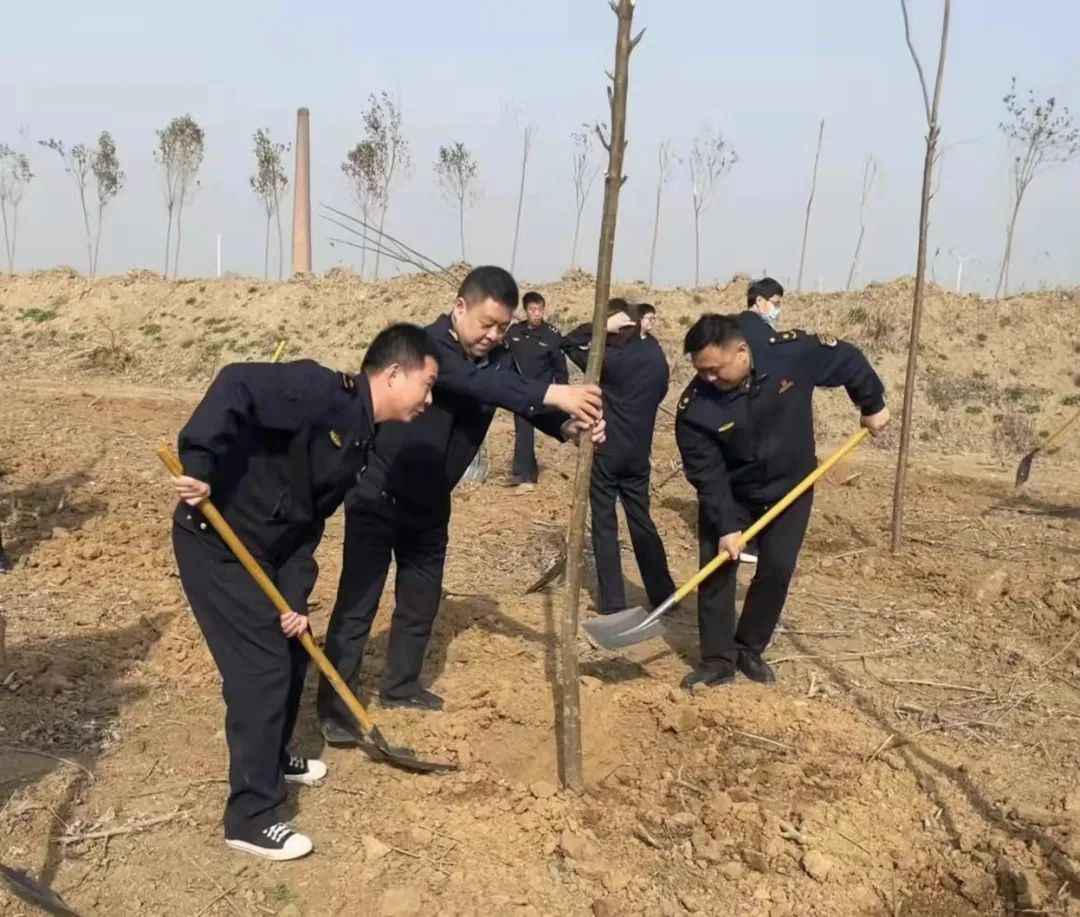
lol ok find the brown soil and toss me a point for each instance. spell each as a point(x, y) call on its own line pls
point(917, 757)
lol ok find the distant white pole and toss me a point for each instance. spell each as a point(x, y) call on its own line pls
point(219, 254)
point(961, 260)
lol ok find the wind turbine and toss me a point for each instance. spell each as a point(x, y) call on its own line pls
point(961, 260)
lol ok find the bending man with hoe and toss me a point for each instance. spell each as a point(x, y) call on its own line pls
point(401, 507)
point(745, 430)
point(277, 446)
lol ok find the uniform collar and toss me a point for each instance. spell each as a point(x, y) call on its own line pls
point(447, 323)
point(363, 417)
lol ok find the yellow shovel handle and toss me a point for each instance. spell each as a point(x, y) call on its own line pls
point(797, 491)
point(211, 514)
point(1045, 445)
point(279, 352)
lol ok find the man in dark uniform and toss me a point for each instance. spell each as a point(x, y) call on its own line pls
point(3, 555)
point(764, 298)
point(535, 347)
point(634, 380)
point(277, 446)
point(745, 430)
point(401, 507)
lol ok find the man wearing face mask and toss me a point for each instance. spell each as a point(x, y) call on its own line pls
point(764, 299)
point(745, 430)
point(401, 507)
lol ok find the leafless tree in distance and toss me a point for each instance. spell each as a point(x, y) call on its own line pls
point(568, 722)
point(809, 205)
point(110, 182)
point(390, 149)
point(665, 161)
point(269, 183)
point(711, 156)
point(15, 177)
point(933, 133)
point(528, 135)
point(77, 163)
point(585, 172)
point(179, 153)
point(361, 168)
point(869, 174)
point(1040, 135)
point(455, 170)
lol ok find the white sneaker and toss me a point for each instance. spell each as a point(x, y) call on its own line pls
point(308, 771)
point(278, 842)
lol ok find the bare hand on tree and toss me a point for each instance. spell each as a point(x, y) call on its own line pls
point(581, 402)
point(573, 430)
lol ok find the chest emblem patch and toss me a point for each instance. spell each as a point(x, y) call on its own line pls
point(335, 438)
point(726, 427)
point(785, 384)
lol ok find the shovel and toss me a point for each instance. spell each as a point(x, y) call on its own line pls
point(1023, 470)
point(379, 748)
point(636, 625)
point(477, 471)
point(24, 886)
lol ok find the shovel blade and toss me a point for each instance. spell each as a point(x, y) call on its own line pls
point(622, 628)
point(1023, 470)
point(380, 750)
point(477, 471)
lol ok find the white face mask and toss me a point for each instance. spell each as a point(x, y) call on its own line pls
point(772, 314)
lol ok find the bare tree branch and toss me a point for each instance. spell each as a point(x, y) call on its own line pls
point(915, 57)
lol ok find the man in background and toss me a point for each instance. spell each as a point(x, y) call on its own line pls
point(764, 298)
point(534, 345)
point(646, 316)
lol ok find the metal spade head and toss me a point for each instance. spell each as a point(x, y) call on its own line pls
point(23, 886)
point(624, 628)
point(378, 749)
point(1023, 470)
point(477, 471)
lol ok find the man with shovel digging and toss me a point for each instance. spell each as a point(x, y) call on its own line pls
point(745, 430)
point(277, 446)
point(401, 508)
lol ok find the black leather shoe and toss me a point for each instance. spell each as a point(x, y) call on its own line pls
point(421, 700)
point(709, 675)
point(755, 668)
point(338, 734)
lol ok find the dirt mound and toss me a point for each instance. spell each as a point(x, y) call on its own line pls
point(917, 755)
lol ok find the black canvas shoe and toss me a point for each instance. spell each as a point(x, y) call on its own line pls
point(711, 675)
point(277, 842)
point(308, 771)
point(755, 668)
point(421, 700)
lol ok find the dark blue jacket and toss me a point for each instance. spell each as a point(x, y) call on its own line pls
point(752, 444)
point(280, 444)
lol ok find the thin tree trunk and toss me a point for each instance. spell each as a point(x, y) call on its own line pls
point(382, 222)
point(569, 719)
point(809, 204)
point(86, 226)
point(461, 228)
point(280, 244)
point(932, 135)
point(363, 251)
point(573, 249)
point(266, 250)
point(697, 247)
point(656, 220)
point(8, 248)
point(176, 256)
point(521, 199)
point(14, 233)
point(855, 258)
point(168, 238)
point(97, 241)
point(1003, 277)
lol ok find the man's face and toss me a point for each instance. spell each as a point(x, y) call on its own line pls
point(481, 326)
point(648, 323)
point(410, 389)
point(765, 306)
point(534, 312)
point(725, 367)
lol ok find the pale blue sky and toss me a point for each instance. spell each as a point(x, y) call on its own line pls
point(764, 73)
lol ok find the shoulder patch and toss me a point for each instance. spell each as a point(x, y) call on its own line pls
point(725, 427)
point(685, 400)
point(827, 340)
point(335, 438)
point(784, 337)
point(347, 382)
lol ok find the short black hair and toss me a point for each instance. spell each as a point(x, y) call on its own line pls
point(642, 309)
point(407, 345)
point(616, 305)
point(766, 288)
point(532, 296)
point(489, 282)
point(712, 330)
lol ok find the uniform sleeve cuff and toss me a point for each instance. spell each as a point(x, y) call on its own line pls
point(197, 465)
point(873, 407)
